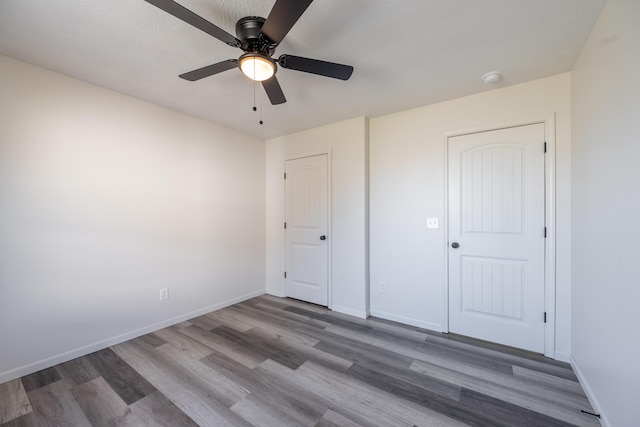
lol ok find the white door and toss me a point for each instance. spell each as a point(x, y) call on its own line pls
point(496, 236)
point(306, 229)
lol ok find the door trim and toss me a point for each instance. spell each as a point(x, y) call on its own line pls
point(329, 214)
point(549, 122)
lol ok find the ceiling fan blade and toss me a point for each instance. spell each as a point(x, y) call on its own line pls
point(274, 91)
point(181, 12)
point(315, 66)
point(210, 70)
point(283, 15)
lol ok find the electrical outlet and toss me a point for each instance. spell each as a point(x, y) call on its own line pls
point(164, 294)
point(432, 223)
point(383, 286)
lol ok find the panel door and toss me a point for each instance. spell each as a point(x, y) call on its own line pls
point(496, 236)
point(306, 229)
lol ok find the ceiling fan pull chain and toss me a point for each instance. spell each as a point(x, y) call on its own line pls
point(254, 95)
point(261, 108)
point(254, 89)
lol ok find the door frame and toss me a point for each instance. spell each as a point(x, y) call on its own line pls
point(549, 122)
point(284, 217)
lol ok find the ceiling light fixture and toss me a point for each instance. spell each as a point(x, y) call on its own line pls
point(257, 67)
point(492, 77)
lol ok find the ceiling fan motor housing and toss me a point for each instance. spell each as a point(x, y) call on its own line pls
point(248, 30)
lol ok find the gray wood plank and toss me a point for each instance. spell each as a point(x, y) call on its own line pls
point(519, 353)
point(355, 325)
point(262, 346)
point(40, 379)
point(261, 413)
point(156, 410)
point(183, 342)
point(77, 371)
point(334, 419)
point(363, 353)
point(501, 413)
point(281, 324)
point(240, 353)
point(305, 348)
point(290, 401)
point(27, 420)
point(54, 405)
point(124, 380)
point(216, 386)
point(513, 391)
point(425, 351)
point(278, 317)
point(409, 391)
point(205, 322)
point(559, 370)
point(271, 300)
point(289, 302)
point(181, 325)
point(362, 403)
point(190, 394)
point(232, 320)
point(102, 405)
point(152, 339)
point(396, 330)
point(14, 401)
point(548, 382)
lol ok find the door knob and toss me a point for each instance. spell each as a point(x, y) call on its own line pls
point(455, 245)
point(323, 237)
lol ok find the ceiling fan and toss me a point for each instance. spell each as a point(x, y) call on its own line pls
point(258, 38)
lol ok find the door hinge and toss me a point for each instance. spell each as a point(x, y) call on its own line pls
point(545, 317)
point(285, 175)
point(545, 232)
point(545, 146)
point(285, 274)
point(285, 225)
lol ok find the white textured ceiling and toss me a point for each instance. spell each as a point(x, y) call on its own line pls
point(406, 53)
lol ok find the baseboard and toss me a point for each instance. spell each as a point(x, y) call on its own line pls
point(562, 357)
point(587, 390)
point(99, 345)
point(275, 293)
point(407, 320)
point(362, 314)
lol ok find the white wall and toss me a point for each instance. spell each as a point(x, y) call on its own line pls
point(105, 199)
point(606, 209)
point(407, 185)
point(346, 143)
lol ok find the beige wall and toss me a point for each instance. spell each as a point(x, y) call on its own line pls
point(105, 199)
point(606, 209)
point(407, 185)
point(346, 144)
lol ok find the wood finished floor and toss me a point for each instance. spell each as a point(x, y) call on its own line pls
point(279, 362)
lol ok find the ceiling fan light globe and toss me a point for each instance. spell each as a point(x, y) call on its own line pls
point(257, 67)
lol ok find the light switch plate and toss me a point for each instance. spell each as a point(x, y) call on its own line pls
point(432, 223)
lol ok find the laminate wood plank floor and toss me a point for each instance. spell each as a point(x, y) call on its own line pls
point(279, 362)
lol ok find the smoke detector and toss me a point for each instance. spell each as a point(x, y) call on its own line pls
point(492, 77)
